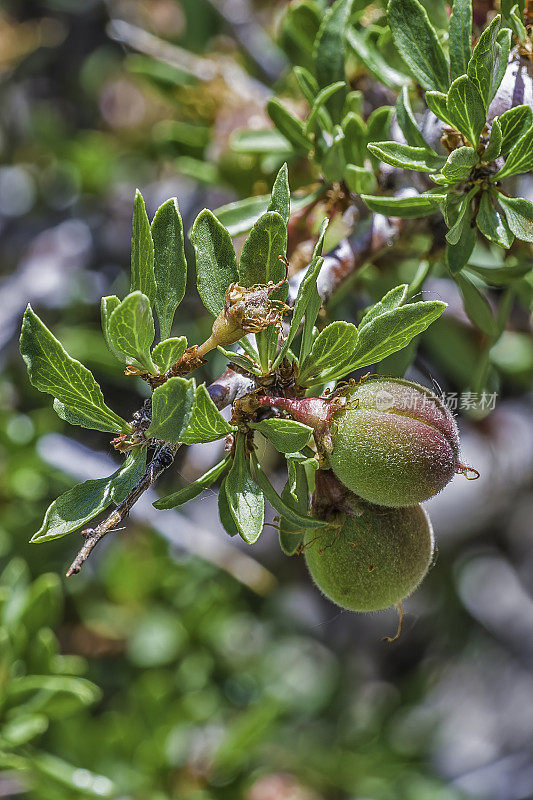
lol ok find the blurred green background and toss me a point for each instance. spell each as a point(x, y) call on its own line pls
point(179, 664)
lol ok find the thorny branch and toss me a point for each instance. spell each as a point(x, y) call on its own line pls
point(349, 255)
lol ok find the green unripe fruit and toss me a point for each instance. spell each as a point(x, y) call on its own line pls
point(394, 443)
point(372, 561)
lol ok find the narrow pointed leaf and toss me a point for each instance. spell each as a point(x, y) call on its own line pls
point(457, 254)
point(419, 205)
point(170, 266)
point(193, 489)
point(216, 263)
point(281, 199)
point(476, 305)
point(142, 252)
point(415, 38)
point(245, 498)
point(481, 65)
point(492, 150)
point(295, 494)
point(84, 502)
point(171, 410)
point(460, 37)
point(304, 520)
point(207, 423)
point(329, 52)
point(242, 360)
point(503, 49)
point(288, 125)
point(107, 306)
point(52, 370)
point(492, 224)
point(131, 331)
point(320, 100)
point(374, 61)
point(407, 122)
point(420, 159)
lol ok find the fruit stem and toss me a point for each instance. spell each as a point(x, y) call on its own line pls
point(313, 411)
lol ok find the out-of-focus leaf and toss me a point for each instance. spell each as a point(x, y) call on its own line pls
point(492, 224)
point(329, 52)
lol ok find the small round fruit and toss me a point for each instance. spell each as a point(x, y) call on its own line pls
point(395, 443)
point(373, 561)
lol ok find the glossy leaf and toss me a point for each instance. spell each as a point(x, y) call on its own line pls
point(436, 102)
point(287, 435)
point(224, 513)
point(329, 52)
point(392, 331)
point(514, 123)
point(171, 410)
point(493, 148)
point(419, 205)
point(84, 502)
point(481, 65)
point(460, 37)
point(170, 266)
point(207, 423)
point(195, 488)
point(280, 199)
point(240, 216)
point(142, 252)
point(242, 360)
point(463, 217)
point(407, 122)
point(420, 159)
point(259, 262)
point(167, 352)
point(492, 224)
point(216, 263)
point(245, 498)
point(290, 514)
point(52, 370)
point(107, 306)
point(503, 49)
point(393, 299)
point(466, 110)
point(520, 159)
point(415, 38)
point(519, 214)
point(295, 494)
point(332, 348)
point(131, 331)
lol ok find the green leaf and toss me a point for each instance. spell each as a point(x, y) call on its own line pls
point(193, 489)
point(287, 435)
point(295, 494)
point(460, 37)
point(492, 224)
point(519, 214)
point(170, 266)
point(463, 218)
point(393, 299)
point(240, 216)
point(457, 254)
point(392, 331)
point(307, 83)
point(228, 523)
point(376, 64)
point(492, 150)
point(167, 352)
point(207, 423)
point(466, 110)
point(460, 164)
point(261, 143)
point(407, 122)
point(171, 410)
point(216, 263)
point(415, 38)
point(303, 520)
point(514, 123)
point(132, 332)
point(320, 100)
point(421, 159)
point(333, 160)
point(359, 179)
point(476, 304)
point(419, 205)
point(84, 502)
point(332, 348)
point(281, 199)
point(52, 370)
point(436, 102)
point(481, 65)
point(378, 124)
point(520, 159)
point(328, 52)
point(307, 299)
point(354, 139)
point(259, 262)
point(142, 252)
point(107, 306)
point(245, 499)
point(288, 125)
point(242, 360)
point(503, 49)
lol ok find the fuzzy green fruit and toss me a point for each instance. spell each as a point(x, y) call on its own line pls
point(372, 561)
point(394, 443)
